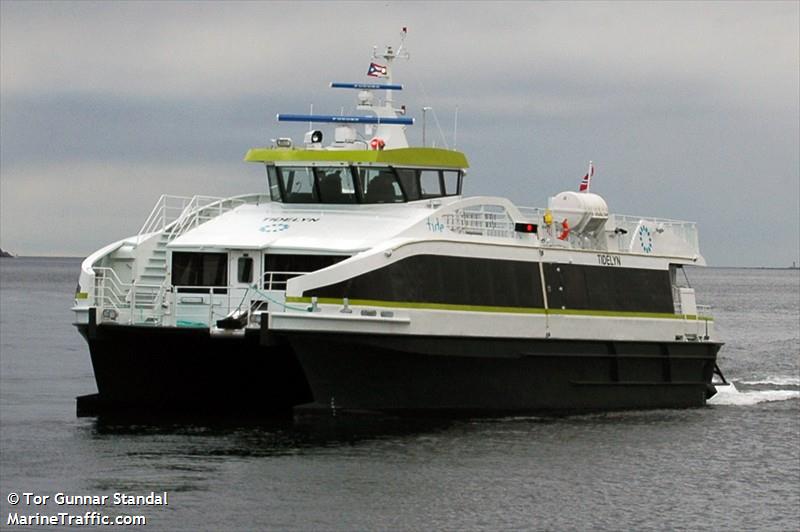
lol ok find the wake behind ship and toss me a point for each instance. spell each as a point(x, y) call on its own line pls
point(361, 279)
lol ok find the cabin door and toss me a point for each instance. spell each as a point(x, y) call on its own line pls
point(243, 268)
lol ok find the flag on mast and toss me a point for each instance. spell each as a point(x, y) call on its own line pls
point(587, 178)
point(377, 71)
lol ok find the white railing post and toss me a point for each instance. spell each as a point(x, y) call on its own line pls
point(210, 307)
point(102, 293)
point(133, 302)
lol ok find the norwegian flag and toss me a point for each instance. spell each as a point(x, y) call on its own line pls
point(587, 178)
point(377, 71)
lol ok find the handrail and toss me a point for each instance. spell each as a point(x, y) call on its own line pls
point(166, 210)
point(539, 211)
point(270, 283)
point(111, 291)
point(201, 209)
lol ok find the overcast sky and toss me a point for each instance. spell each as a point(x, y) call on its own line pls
point(689, 110)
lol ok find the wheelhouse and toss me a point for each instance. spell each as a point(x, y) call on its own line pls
point(361, 177)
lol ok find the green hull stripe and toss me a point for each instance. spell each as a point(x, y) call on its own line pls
point(510, 310)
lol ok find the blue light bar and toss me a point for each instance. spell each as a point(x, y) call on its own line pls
point(346, 119)
point(384, 86)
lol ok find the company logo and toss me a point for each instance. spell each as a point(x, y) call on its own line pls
point(276, 224)
point(274, 227)
point(434, 225)
point(646, 239)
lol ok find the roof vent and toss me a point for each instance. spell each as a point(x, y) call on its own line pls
point(345, 135)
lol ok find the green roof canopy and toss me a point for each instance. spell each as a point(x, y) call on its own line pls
point(434, 157)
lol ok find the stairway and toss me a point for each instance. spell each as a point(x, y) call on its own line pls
point(154, 274)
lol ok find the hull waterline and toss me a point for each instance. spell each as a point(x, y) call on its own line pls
point(182, 370)
point(396, 374)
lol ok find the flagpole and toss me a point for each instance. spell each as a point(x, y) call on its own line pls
point(589, 173)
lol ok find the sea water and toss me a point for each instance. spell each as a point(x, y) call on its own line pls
point(734, 464)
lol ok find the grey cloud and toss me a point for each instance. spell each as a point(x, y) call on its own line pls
point(690, 110)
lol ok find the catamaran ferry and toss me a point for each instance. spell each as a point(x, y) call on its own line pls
point(359, 278)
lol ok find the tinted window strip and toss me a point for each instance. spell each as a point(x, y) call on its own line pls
point(501, 283)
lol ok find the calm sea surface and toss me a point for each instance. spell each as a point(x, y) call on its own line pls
point(732, 465)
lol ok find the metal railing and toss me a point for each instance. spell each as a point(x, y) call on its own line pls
point(167, 209)
point(201, 306)
point(199, 210)
point(481, 220)
point(628, 230)
point(174, 215)
point(127, 298)
point(196, 306)
point(532, 214)
point(276, 280)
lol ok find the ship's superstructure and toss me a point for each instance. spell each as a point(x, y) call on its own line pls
point(360, 278)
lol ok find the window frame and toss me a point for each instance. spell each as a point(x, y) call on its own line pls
point(276, 172)
point(458, 182)
point(314, 184)
point(359, 184)
point(441, 184)
point(272, 173)
point(318, 170)
point(239, 269)
point(218, 288)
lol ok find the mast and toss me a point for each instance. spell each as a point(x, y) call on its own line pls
point(389, 55)
point(386, 128)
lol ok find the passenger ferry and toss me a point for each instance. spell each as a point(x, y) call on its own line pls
point(359, 278)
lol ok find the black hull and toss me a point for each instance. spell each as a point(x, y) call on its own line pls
point(405, 374)
point(158, 370)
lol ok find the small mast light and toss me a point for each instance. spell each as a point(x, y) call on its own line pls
point(284, 142)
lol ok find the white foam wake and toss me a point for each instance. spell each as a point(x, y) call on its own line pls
point(779, 380)
point(729, 395)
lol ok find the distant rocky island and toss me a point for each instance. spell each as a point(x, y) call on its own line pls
point(4, 253)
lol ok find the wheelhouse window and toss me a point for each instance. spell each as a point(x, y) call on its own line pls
point(378, 185)
point(409, 182)
point(297, 183)
point(199, 269)
point(430, 184)
point(451, 180)
point(342, 184)
point(272, 183)
point(336, 184)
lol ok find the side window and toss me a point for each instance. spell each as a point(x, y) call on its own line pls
point(429, 183)
point(408, 178)
point(272, 183)
point(378, 185)
point(298, 185)
point(336, 185)
point(244, 270)
point(450, 182)
point(199, 269)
